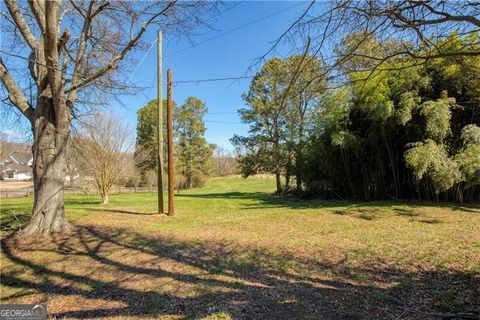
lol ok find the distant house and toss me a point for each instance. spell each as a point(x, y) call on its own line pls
point(17, 167)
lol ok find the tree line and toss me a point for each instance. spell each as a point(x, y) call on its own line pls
point(74, 61)
point(105, 152)
point(391, 130)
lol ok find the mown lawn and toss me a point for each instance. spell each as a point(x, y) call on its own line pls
point(235, 251)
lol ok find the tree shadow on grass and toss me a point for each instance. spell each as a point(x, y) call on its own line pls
point(267, 200)
point(13, 216)
point(468, 208)
point(83, 200)
point(364, 214)
point(151, 276)
point(235, 195)
point(263, 200)
point(128, 212)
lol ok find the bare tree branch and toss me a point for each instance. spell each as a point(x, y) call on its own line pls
point(121, 55)
point(21, 23)
point(51, 51)
point(288, 30)
point(88, 16)
point(39, 13)
point(15, 95)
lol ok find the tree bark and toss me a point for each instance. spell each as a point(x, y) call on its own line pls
point(50, 133)
point(299, 161)
point(288, 174)
point(299, 149)
point(298, 173)
point(287, 181)
point(278, 181)
point(105, 198)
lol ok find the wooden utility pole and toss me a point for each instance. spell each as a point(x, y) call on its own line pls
point(171, 181)
point(159, 123)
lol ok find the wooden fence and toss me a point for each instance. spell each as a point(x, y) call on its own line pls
point(27, 192)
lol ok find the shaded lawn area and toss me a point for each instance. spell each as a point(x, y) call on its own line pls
point(234, 251)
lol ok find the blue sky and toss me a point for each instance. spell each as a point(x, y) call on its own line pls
point(252, 26)
point(226, 56)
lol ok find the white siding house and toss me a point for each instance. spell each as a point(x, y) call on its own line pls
point(17, 167)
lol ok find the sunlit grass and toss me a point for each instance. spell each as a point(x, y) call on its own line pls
point(236, 232)
point(246, 211)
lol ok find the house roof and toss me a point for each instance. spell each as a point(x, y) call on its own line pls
point(21, 157)
point(16, 167)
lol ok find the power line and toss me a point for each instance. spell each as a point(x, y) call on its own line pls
point(70, 74)
point(32, 60)
point(229, 112)
point(129, 78)
point(227, 9)
point(234, 29)
point(176, 52)
point(213, 38)
point(141, 61)
point(175, 82)
point(224, 122)
point(155, 41)
point(213, 79)
point(232, 78)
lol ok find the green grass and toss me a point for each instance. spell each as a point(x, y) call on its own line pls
point(234, 250)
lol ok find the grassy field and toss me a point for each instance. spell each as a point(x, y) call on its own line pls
point(235, 251)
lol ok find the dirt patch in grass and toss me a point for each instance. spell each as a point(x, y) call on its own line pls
point(15, 185)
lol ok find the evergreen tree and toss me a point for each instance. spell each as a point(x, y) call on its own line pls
point(146, 145)
point(280, 101)
point(194, 153)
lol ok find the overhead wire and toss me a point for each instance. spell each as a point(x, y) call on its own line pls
point(128, 78)
point(234, 29)
point(196, 81)
point(224, 122)
point(175, 82)
point(213, 79)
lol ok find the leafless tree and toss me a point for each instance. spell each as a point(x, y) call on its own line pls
point(74, 52)
point(419, 23)
point(7, 146)
point(5, 149)
point(101, 151)
point(151, 180)
point(224, 162)
point(133, 174)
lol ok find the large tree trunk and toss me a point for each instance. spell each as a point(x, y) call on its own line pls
point(105, 198)
point(104, 191)
point(50, 134)
point(51, 127)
